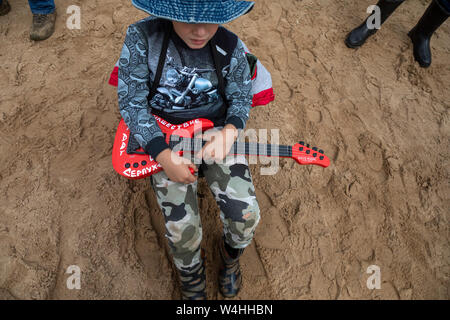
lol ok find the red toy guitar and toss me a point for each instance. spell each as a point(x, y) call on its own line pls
point(139, 165)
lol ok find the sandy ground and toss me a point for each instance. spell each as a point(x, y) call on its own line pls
point(383, 121)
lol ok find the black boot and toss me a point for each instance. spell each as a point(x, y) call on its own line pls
point(420, 35)
point(230, 279)
point(359, 35)
point(193, 282)
point(5, 8)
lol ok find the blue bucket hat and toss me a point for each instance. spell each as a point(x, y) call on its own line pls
point(195, 11)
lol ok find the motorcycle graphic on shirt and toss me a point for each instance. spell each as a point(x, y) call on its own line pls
point(184, 88)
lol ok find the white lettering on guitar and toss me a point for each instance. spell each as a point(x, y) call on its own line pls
point(123, 146)
point(133, 173)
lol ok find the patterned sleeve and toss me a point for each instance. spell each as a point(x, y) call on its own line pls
point(133, 92)
point(238, 89)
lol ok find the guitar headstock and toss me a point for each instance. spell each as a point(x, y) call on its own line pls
point(303, 154)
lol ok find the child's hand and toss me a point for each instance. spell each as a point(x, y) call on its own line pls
point(177, 167)
point(219, 143)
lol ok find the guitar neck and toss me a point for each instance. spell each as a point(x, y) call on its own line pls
point(260, 149)
point(241, 148)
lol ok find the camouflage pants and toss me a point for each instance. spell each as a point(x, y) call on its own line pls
point(232, 186)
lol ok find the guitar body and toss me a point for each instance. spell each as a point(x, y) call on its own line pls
point(139, 166)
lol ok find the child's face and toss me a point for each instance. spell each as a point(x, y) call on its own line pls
point(195, 35)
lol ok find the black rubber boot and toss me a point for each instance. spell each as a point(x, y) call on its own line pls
point(230, 278)
point(359, 35)
point(5, 8)
point(193, 282)
point(420, 35)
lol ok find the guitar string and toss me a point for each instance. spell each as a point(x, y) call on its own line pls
point(250, 148)
point(237, 144)
point(188, 144)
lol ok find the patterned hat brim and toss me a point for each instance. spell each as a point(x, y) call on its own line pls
point(195, 11)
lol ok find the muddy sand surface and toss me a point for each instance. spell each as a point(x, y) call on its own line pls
point(382, 120)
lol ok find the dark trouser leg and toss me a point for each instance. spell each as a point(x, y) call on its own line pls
point(42, 6)
point(4, 7)
point(445, 4)
point(359, 35)
point(420, 35)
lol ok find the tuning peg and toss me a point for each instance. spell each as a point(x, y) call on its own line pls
point(307, 145)
point(314, 148)
point(302, 143)
point(321, 151)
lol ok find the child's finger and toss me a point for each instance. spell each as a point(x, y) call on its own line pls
point(209, 151)
point(193, 167)
point(208, 135)
point(204, 152)
point(199, 155)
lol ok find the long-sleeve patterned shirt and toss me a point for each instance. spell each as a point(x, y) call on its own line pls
point(188, 88)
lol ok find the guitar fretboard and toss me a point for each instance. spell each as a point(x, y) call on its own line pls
point(243, 148)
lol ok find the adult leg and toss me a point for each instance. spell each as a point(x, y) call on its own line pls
point(178, 203)
point(5, 8)
point(445, 4)
point(435, 15)
point(44, 17)
point(359, 35)
point(42, 6)
point(232, 186)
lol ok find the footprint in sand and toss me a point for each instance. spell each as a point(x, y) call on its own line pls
point(373, 153)
point(272, 230)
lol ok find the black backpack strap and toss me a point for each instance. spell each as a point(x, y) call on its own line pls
point(221, 81)
point(161, 62)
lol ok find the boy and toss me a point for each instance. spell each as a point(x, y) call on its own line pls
point(180, 65)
